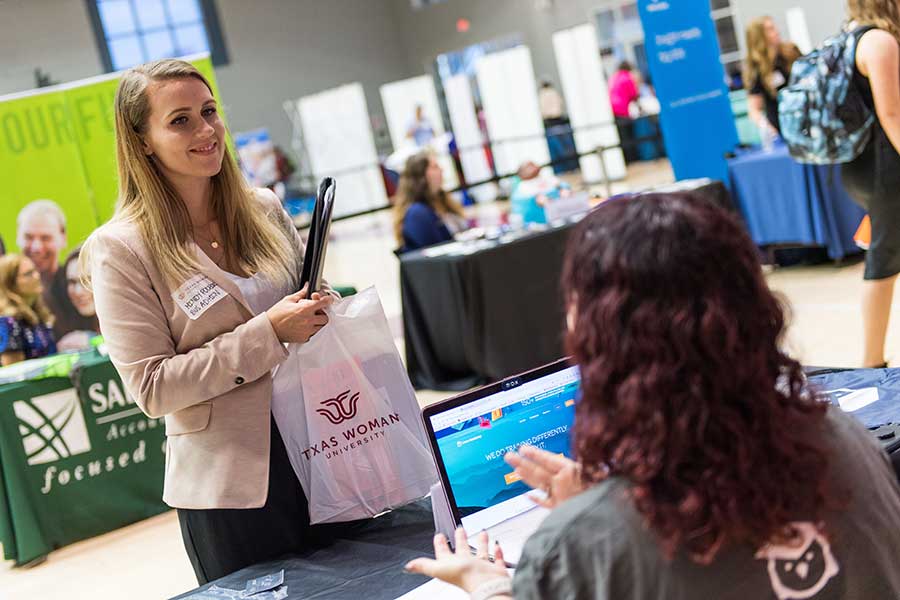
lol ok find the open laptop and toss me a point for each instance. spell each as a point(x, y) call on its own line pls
point(470, 433)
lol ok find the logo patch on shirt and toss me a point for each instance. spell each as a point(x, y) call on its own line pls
point(799, 571)
point(197, 295)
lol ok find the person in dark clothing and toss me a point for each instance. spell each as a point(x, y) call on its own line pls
point(873, 179)
point(767, 71)
point(424, 214)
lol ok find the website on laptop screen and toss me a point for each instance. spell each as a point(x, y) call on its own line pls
point(473, 438)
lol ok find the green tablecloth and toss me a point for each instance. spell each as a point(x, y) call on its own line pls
point(77, 459)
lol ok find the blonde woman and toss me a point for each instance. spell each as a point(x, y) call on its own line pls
point(873, 179)
point(766, 71)
point(26, 324)
point(424, 214)
point(195, 284)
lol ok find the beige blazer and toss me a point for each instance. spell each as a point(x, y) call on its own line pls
point(210, 377)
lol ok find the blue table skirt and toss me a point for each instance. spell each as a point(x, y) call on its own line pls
point(786, 203)
point(647, 127)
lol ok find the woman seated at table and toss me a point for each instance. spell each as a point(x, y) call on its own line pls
point(706, 467)
point(424, 214)
point(26, 324)
point(767, 71)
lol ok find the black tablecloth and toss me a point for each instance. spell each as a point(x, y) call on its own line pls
point(478, 317)
point(368, 566)
point(489, 314)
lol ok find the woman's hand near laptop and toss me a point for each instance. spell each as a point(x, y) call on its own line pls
point(557, 476)
point(460, 566)
point(296, 319)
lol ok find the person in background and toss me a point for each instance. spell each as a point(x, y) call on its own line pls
point(873, 179)
point(26, 324)
point(531, 192)
point(420, 129)
point(623, 90)
point(558, 130)
point(623, 96)
point(551, 103)
point(485, 137)
point(41, 235)
point(424, 214)
point(766, 71)
point(76, 318)
point(735, 79)
point(196, 280)
point(705, 466)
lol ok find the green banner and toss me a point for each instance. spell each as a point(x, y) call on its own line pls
point(40, 158)
point(59, 144)
point(75, 462)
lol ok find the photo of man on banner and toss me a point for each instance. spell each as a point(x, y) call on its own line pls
point(41, 236)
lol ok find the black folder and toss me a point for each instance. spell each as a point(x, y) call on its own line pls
point(317, 243)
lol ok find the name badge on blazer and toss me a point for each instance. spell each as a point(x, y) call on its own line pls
point(197, 295)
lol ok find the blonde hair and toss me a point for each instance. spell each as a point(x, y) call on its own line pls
point(148, 199)
point(413, 187)
point(760, 62)
point(12, 303)
point(883, 14)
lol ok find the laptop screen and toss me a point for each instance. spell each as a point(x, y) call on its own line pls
point(472, 439)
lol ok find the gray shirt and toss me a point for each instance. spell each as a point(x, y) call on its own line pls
point(595, 545)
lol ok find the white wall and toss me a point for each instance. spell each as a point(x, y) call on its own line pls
point(824, 17)
point(279, 50)
point(285, 49)
point(431, 31)
point(53, 35)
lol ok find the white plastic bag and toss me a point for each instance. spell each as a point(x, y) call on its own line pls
point(354, 436)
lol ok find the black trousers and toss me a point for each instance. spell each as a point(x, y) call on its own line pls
point(222, 541)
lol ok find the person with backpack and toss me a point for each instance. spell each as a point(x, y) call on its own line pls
point(873, 178)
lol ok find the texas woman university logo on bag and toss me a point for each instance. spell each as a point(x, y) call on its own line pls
point(336, 411)
point(341, 409)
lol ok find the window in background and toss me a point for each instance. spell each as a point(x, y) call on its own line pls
point(621, 35)
point(723, 14)
point(131, 32)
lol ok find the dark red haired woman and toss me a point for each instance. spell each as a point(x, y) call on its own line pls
point(706, 468)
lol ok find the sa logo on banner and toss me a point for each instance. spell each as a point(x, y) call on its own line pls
point(52, 426)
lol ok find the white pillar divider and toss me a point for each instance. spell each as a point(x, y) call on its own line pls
point(461, 106)
point(587, 100)
point(400, 99)
point(509, 98)
point(337, 135)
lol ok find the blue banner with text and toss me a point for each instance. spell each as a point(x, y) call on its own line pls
point(683, 55)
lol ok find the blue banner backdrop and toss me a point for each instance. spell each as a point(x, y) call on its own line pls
point(683, 54)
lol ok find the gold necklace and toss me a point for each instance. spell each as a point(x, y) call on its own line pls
point(212, 241)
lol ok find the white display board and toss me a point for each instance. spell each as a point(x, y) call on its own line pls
point(509, 98)
point(798, 30)
point(338, 138)
point(587, 99)
point(400, 99)
point(469, 139)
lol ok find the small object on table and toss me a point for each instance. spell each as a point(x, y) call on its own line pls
point(262, 584)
